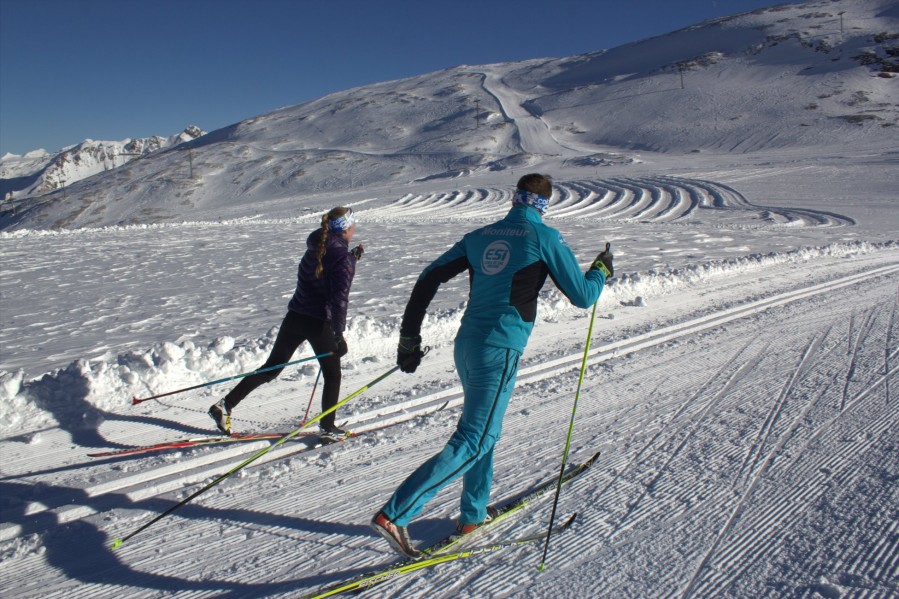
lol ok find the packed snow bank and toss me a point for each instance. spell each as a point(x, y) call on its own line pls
point(628, 287)
point(81, 393)
point(86, 389)
point(184, 224)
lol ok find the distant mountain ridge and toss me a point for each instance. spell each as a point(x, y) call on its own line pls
point(795, 76)
point(39, 172)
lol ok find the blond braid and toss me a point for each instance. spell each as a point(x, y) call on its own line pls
point(323, 240)
point(322, 244)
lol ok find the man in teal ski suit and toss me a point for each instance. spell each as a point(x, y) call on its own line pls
point(507, 262)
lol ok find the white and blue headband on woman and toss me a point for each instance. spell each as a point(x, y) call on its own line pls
point(530, 199)
point(342, 223)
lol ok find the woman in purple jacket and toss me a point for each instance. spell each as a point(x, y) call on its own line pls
point(316, 313)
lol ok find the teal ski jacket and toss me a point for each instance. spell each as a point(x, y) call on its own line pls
point(508, 262)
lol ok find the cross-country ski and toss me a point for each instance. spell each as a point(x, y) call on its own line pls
point(185, 443)
point(312, 439)
point(438, 551)
point(390, 573)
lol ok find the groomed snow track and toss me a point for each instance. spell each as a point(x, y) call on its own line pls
point(761, 419)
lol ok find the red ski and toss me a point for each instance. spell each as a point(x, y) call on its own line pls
point(201, 441)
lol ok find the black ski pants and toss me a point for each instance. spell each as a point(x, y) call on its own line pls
point(295, 329)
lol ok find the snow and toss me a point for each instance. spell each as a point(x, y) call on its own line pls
point(741, 374)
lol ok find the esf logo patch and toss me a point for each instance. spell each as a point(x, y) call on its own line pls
point(496, 257)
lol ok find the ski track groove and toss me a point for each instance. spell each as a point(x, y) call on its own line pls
point(758, 536)
point(713, 401)
point(875, 374)
point(686, 404)
point(854, 351)
point(783, 503)
point(849, 407)
point(758, 533)
point(886, 351)
point(755, 450)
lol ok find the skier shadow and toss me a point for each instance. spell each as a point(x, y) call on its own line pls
point(420, 529)
point(79, 551)
point(68, 405)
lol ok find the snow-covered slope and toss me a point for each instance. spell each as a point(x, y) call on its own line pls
point(746, 423)
point(740, 382)
point(786, 76)
point(796, 76)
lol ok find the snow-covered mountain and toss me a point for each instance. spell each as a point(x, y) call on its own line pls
point(801, 75)
point(40, 172)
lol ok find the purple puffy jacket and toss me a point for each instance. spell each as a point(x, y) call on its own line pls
point(325, 298)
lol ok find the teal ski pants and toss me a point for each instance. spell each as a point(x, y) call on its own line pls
point(488, 379)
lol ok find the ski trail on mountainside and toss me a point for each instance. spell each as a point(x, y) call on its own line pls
point(534, 134)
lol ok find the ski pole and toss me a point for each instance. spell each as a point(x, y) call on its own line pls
point(136, 401)
point(309, 407)
point(577, 396)
point(118, 542)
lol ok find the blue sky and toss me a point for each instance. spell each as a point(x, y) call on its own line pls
point(116, 69)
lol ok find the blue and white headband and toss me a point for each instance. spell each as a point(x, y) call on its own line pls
point(530, 199)
point(342, 223)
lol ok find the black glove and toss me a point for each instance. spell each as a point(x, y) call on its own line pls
point(342, 348)
point(408, 352)
point(603, 262)
point(357, 252)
